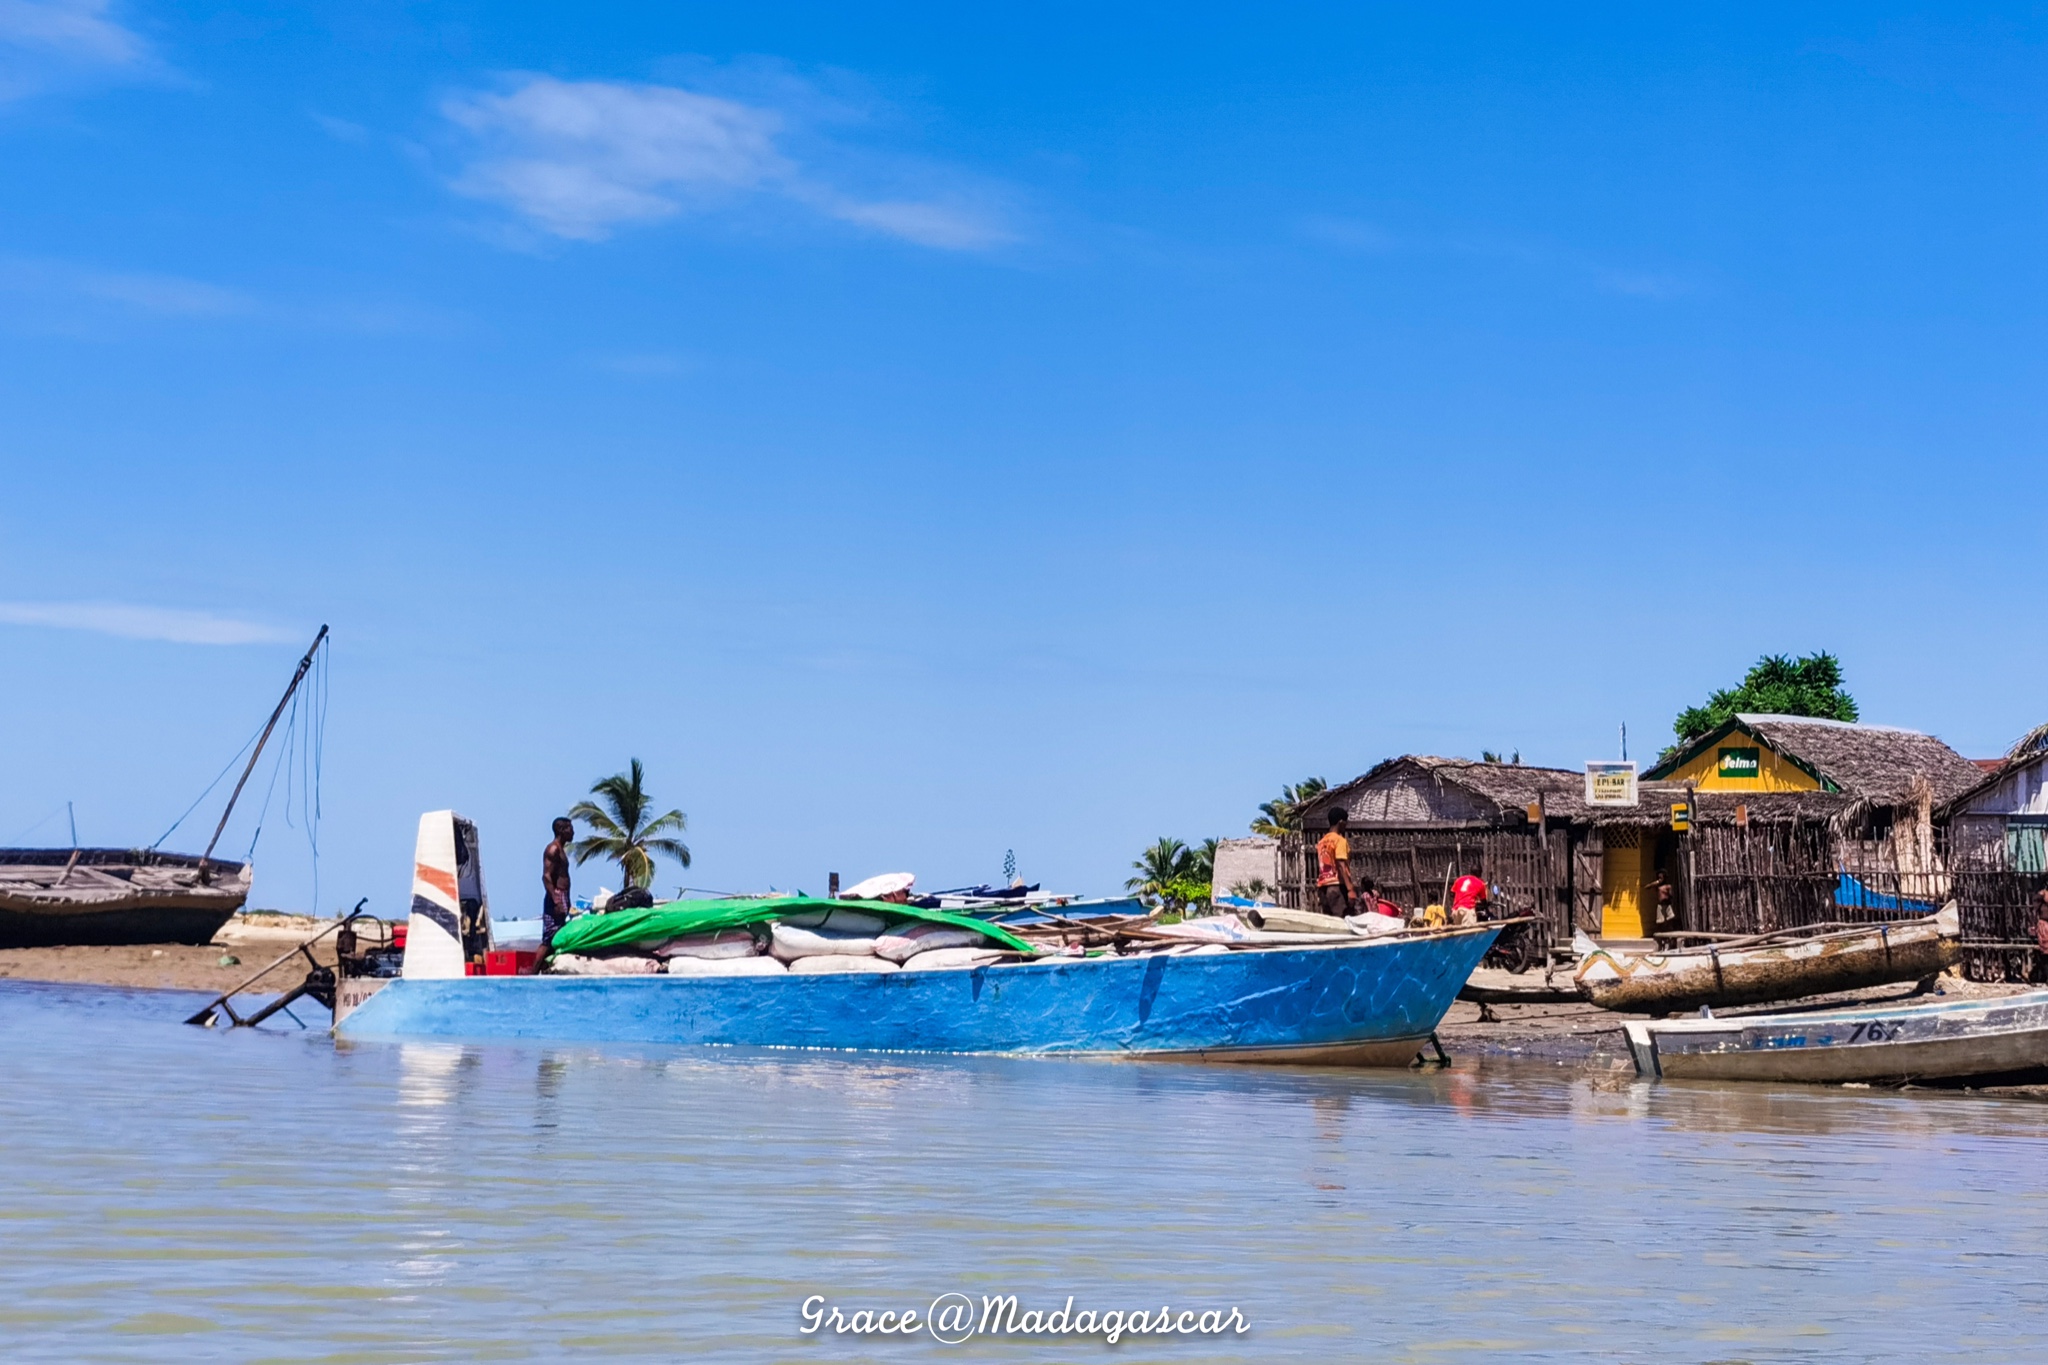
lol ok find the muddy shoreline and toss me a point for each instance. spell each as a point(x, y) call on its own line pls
point(242, 947)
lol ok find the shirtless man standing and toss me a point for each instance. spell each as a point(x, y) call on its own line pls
point(554, 880)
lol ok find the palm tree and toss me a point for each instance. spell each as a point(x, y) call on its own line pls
point(1202, 868)
point(1160, 866)
point(1283, 816)
point(621, 830)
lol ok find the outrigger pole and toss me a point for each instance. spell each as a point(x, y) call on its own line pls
point(297, 678)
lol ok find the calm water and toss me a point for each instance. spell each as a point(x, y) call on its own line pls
point(176, 1194)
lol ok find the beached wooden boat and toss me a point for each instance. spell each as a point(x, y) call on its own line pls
point(1747, 972)
point(52, 896)
point(57, 897)
point(1982, 1041)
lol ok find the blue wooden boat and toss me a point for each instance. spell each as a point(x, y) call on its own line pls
point(1372, 1003)
point(1952, 1041)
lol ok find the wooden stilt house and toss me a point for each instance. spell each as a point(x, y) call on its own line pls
point(1998, 858)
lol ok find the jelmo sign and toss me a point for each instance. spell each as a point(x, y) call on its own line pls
point(1741, 763)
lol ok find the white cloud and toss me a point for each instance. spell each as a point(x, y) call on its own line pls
point(579, 159)
point(54, 289)
point(46, 43)
point(78, 30)
point(142, 623)
point(934, 225)
point(340, 129)
point(1642, 284)
point(1349, 233)
point(169, 294)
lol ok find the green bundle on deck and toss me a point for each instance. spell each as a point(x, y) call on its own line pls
point(674, 919)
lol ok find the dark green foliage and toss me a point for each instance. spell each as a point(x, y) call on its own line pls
point(623, 831)
point(1283, 814)
point(1778, 686)
point(1174, 875)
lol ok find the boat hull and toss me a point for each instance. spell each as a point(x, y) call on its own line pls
point(124, 924)
point(1372, 1004)
point(1982, 1041)
point(1668, 983)
point(53, 897)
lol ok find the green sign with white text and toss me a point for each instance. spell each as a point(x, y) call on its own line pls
point(1741, 763)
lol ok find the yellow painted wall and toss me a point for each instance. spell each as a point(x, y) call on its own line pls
point(1774, 774)
point(1623, 877)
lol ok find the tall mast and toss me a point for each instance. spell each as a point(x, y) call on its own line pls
point(297, 678)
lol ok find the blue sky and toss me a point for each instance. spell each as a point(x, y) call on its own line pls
point(922, 432)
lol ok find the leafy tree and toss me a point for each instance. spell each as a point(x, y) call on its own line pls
point(623, 831)
point(1807, 686)
point(1282, 815)
point(1173, 874)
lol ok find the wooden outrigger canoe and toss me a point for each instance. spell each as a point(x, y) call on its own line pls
point(1755, 973)
point(2004, 1039)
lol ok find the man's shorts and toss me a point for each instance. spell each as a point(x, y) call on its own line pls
point(1334, 900)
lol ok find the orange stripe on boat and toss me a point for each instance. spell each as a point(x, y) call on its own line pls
point(441, 881)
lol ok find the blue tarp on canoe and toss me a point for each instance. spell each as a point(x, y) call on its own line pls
point(1853, 894)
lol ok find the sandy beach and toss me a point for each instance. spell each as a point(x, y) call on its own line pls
point(243, 945)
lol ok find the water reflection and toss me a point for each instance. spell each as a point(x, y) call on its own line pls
point(242, 1196)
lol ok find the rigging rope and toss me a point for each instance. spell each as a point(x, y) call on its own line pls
point(276, 764)
point(302, 763)
point(38, 824)
point(209, 787)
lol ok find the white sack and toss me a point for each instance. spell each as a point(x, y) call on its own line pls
point(576, 964)
point(726, 943)
point(1372, 923)
point(952, 959)
point(835, 920)
point(906, 941)
point(725, 966)
point(790, 943)
point(827, 963)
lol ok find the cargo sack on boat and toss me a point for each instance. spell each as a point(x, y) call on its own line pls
point(953, 959)
point(906, 941)
point(625, 964)
point(677, 919)
point(824, 964)
point(725, 966)
point(725, 943)
point(839, 920)
point(792, 944)
point(1372, 923)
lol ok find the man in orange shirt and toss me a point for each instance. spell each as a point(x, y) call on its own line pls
point(1334, 887)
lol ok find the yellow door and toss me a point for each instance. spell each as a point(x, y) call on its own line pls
point(1623, 878)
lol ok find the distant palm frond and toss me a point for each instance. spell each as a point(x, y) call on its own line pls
point(621, 830)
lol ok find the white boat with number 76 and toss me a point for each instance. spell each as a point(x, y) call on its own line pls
point(1947, 1041)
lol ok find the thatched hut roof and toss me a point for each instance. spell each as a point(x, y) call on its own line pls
point(1465, 791)
point(2029, 748)
point(1882, 764)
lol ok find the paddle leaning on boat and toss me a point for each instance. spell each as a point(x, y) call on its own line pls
point(810, 972)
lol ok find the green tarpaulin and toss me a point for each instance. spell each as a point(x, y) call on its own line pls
point(673, 919)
